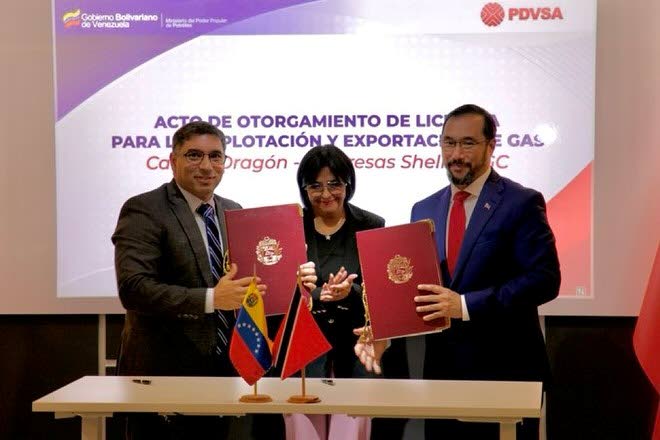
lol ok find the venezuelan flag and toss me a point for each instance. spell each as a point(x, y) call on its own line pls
point(250, 347)
point(71, 18)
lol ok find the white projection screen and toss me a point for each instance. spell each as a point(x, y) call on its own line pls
point(373, 77)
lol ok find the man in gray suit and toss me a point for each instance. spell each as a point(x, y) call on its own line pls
point(166, 283)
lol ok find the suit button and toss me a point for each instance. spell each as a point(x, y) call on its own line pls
point(331, 321)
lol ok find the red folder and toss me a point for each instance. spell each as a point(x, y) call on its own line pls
point(270, 240)
point(394, 260)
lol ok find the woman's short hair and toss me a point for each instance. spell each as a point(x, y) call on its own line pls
point(325, 156)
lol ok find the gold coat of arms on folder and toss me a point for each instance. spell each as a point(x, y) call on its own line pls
point(394, 261)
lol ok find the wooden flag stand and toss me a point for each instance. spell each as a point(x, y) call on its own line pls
point(303, 398)
point(255, 397)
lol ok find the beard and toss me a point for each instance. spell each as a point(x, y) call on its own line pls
point(467, 179)
point(476, 166)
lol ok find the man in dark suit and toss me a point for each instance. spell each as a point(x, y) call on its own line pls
point(168, 284)
point(495, 274)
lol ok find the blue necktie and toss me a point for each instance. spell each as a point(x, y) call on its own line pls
point(223, 318)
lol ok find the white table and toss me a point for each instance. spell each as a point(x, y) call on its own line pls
point(95, 397)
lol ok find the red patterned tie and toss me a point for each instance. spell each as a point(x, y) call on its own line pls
point(456, 229)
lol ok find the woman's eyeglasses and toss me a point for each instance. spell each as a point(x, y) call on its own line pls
point(333, 187)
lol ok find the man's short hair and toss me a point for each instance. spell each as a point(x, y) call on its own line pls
point(196, 128)
point(489, 129)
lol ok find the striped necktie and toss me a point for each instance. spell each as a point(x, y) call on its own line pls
point(225, 318)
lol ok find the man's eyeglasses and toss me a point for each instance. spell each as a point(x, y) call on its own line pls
point(466, 144)
point(333, 186)
point(196, 157)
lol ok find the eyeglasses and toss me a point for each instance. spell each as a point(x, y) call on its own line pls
point(196, 157)
point(466, 144)
point(333, 186)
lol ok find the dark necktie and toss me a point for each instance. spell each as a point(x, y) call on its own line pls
point(456, 229)
point(223, 318)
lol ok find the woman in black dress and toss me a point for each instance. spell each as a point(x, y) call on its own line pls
point(326, 179)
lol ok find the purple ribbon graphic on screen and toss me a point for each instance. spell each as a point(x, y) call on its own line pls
point(97, 41)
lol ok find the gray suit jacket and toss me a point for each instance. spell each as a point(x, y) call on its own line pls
point(162, 274)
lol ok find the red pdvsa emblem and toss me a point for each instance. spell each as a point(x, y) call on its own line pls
point(492, 14)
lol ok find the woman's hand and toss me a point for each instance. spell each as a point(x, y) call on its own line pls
point(369, 351)
point(338, 286)
point(307, 273)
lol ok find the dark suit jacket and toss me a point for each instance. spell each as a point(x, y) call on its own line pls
point(507, 266)
point(338, 319)
point(162, 274)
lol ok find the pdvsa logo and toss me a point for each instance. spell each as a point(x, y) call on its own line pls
point(71, 18)
point(492, 14)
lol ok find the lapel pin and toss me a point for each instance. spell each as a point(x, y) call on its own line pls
point(487, 205)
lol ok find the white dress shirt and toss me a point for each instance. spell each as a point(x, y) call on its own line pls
point(194, 203)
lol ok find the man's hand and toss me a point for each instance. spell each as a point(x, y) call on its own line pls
point(307, 272)
point(439, 303)
point(338, 286)
point(228, 293)
point(369, 351)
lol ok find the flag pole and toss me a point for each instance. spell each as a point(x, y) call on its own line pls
point(255, 397)
point(303, 398)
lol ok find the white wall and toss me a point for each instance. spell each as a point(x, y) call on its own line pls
point(626, 176)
